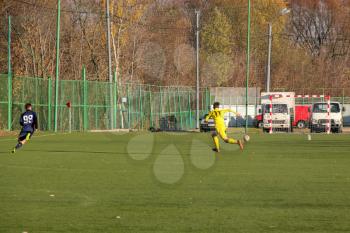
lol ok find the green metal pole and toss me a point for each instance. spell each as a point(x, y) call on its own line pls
point(248, 68)
point(96, 108)
point(205, 100)
point(190, 109)
point(60, 123)
point(137, 106)
point(9, 78)
point(174, 101)
point(115, 99)
point(49, 110)
point(36, 91)
point(57, 60)
point(161, 102)
point(201, 112)
point(256, 101)
point(161, 105)
point(179, 105)
point(71, 110)
point(121, 114)
point(129, 114)
point(140, 105)
point(169, 109)
point(85, 100)
point(150, 107)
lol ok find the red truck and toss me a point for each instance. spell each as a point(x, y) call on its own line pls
point(301, 117)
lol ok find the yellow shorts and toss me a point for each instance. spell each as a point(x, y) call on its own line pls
point(221, 132)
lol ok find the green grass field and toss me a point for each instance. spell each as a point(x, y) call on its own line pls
point(105, 182)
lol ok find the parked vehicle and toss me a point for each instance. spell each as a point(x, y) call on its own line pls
point(258, 121)
point(320, 117)
point(210, 125)
point(206, 126)
point(301, 117)
point(282, 112)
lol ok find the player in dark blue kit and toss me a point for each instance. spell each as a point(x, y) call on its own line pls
point(29, 123)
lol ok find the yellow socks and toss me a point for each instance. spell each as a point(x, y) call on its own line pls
point(232, 141)
point(216, 142)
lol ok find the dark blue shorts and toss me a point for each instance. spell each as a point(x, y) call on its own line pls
point(23, 134)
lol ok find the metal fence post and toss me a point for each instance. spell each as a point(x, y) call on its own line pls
point(9, 78)
point(169, 109)
point(140, 105)
point(256, 102)
point(121, 116)
point(174, 101)
point(247, 67)
point(161, 104)
point(190, 108)
point(57, 62)
point(129, 114)
point(115, 99)
point(179, 105)
point(96, 108)
point(73, 101)
point(49, 99)
point(197, 66)
point(85, 99)
point(150, 107)
point(37, 102)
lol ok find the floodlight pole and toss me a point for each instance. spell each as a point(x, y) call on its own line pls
point(9, 77)
point(197, 67)
point(268, 78)
point(57, 62)
point(248, 68)
point(110, 76)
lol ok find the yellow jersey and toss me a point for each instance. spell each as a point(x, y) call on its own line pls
point(218, 116)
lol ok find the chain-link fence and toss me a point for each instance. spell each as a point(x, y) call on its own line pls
point(134, 106)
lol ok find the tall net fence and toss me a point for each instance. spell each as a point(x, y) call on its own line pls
point(134, 106)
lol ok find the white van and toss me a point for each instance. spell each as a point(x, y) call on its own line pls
point(319, 117)
point(283, 108)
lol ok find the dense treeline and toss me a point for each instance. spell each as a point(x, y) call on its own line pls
point(154, 41)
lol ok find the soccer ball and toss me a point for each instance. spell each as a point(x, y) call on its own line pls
point(246, 138)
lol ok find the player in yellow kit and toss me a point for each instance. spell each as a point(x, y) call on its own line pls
point(220, 128)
